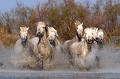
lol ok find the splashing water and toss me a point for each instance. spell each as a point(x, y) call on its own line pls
point(109, 62)
point(109, 59)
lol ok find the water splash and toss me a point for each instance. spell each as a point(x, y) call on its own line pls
point(109, 59)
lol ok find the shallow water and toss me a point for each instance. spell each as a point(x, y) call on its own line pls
point(57, 75)
point(109, 68)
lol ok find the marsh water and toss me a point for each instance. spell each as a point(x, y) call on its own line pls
point(109, 67)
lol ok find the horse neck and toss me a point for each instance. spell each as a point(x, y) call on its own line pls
point(57, 42)
point(26, 43)
point(78, 38)
point(85, 47)
point(94, 47)
point(44, 38)
point(89, 47)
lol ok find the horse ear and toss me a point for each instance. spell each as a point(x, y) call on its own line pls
point(27, 28)
point(20, 28)
point(97, 29)
point(84, 35)
point(75, 23)
point(82, 23)
point(48, 27)
point(56, 33)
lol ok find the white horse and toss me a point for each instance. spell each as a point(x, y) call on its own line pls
point(82, 57)
point(77, 38)
point(52, 37)
point(100, 38)
point(23, 51)
point(94, 34)
point(91, 60)
point(82, 51)
point(59, 60)
point(79, 34)
point(37, 39)
point(42, 48)
point(90, 35)
point(79, 30)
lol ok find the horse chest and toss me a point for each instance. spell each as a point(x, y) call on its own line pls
point(44, 50)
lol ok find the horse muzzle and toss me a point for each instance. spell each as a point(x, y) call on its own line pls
point(52, 42)
point(98, 40)
point(23, 41)
point(90, 41)
point(39, 34)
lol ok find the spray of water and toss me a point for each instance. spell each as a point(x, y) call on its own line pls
point(60, 60)
point(109, 59)
point(5, 60)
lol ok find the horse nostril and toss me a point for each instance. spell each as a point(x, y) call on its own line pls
point(90, 41)
point(96, 38)
point(51, 41)
point(38, 33)
point(23, 39)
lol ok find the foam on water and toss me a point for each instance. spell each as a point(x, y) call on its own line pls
point(5, 59)
point(60, 60)
point(109, 59)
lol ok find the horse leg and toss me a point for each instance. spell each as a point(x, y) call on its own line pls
point(47, 63)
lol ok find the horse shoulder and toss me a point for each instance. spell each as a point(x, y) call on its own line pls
point(34, 40)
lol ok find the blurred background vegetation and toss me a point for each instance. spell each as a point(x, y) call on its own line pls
point(61, 14)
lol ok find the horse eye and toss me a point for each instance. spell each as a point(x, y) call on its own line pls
point(43, 27)
point(77, 28)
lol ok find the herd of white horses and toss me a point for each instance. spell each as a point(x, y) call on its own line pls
point(44, 51)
